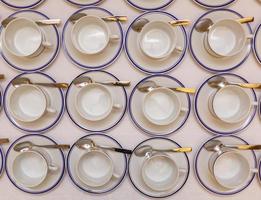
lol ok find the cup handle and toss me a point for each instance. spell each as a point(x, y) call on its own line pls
point(51, 110)
point(47, 44)
point(115, 175)
point(250, 36)
point(53, 168)
point(117, 106)
point(183, 171)
point(114, 38)
point(183, 109)
point(254, 170)
point(254, 103)
point(178, 49)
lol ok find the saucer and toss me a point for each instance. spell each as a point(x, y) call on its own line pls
point(206, 118)
point(49, 120)
point(85, 2)
point(41, 61)
point(119, 96)
point(257, 44)
point(1, 161)
point(202, 171)
point(135, 164)
point(214, 4)
point(97, 61)
point(149, 5)
point(145, 63)
point(136, 113)
point(205, 59)
point(17, 4)
point(259, 174)
point(119, 159)
point(56, 156)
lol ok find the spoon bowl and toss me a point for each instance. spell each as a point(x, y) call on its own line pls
point(218, 82)
point(139, 24)
point(204, 25)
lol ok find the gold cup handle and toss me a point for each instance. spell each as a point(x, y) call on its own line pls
point(246, 20)
point(183, 22)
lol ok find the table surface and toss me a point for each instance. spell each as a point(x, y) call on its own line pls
point(189, 72)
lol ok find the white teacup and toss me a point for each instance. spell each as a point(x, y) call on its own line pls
point(30, 168)
point(231, 104)
point(22, 37)
point(160, 172)
point(94, 102)
point(95, 168)
point(162, 106)
point(158, 40)
point(230, 169)
point(91, 35)
point(226, 38)
point(29, 103)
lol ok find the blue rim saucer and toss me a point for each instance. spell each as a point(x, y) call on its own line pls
point(209, 6)
point(36, 3)
point(139, 7)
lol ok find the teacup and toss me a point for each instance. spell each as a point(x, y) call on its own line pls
point(31, 168)
point(91, 35)
point(95, 168)
point(94, 102)
point(158, 39)
point(29, 103)
point(160, 172)
point(231, 104)
point(226, 38)
point(22, 37)
point(162, 106)
point(229, 168)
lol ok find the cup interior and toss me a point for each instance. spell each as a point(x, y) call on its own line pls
point(90, 35)
point(161, 106)
point(27, 103)
point(160, 172)
point(22, 37)
point(157, 39)
point(231, 104)
point(95, 168)
point(226, 37)
point(231, 169)
point(30, 169)
point(94, 102)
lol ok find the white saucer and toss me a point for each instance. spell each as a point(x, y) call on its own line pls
point(150, 5)
point(56, 156)
point(41, 61)
point(1, 161)
point(135, 164)
point(119, 160)
point(202, 171)
point(85, 2)
point(206, 118)
point(119, 97)
point(49, 119)
point(136, 113)
point(18, 4)
point(257, 43)
point(214, 4)
point(145, 63)
point(97, 61)
point(206, 60)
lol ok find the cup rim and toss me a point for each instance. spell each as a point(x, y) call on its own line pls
point(216, 24)
point(225, 88)
point(101, 24)
point(45, 172)
point(43, 95)
point(79, 174)
point(168, 91)
point(173, 43)
point(15, 21)
point(82, 113)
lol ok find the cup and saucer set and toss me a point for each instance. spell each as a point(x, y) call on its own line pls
point(156, 42)
point(93, 37)
point(209, 4)
point(29, 40)
point(25, 4)
point(33, 103)
point(221, 40)
point(35, 164)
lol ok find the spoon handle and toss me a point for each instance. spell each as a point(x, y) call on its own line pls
point(2, 76)
point(182, 150)
point(185, 90)
point(116, 83)
point(55, 146)
point(115, 19)
point(4, 140)
point(48, 22)
point(183, 22)
point(245, 147)
point(126, 151)
point(250, 85)
point(55, 85)
point(246, 20)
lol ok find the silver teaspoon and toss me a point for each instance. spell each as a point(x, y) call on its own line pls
point(27, 145)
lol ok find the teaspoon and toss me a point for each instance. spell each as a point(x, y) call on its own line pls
point(75, 17)
point(27, 145)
